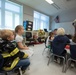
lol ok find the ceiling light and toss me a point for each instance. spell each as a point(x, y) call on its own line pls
point(49, 1)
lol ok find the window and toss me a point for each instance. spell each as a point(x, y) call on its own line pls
point(12, 7)
point(8, 19)
point(0, 18)
point(11, 14)
point(0, 3)
point(16, 20)
point(41, 21)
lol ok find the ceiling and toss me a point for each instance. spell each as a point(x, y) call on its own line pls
point(57, 7)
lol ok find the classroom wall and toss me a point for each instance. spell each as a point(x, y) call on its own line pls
point(66, 18)
point(69, 28)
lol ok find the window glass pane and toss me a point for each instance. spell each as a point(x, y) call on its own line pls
point(43, 18)
point(8, 20)
point(16, 20)
point(36, 25)
point(41, 21)
point(42, 24)
point(0, 17)
point(12, 7)
point(36, 15)
point(0, 3)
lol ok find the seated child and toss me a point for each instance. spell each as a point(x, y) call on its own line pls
point(19, 30)
point(49, 39)
point(13, 57)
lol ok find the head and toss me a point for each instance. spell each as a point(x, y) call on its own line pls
point(7, 35)
point(60, 31)
point(19, 29)
point(55, 31)
point(74, 38)
point(51, 34)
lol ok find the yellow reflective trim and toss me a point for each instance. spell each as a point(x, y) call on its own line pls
point(14, 63)
point(5, 55)
point(15, 51)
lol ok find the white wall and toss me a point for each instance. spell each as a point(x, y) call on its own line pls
point(68, 16)
point(27, 13)
point(69, 29)
point(66, 19)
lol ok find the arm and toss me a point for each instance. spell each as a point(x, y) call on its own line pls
point(21, 46)
point(19, 40)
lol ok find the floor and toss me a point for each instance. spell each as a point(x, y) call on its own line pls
point(39, 64)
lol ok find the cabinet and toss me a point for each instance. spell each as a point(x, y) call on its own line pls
point(28, 25)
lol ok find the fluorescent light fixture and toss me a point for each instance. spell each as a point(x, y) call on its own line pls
point(49, 1)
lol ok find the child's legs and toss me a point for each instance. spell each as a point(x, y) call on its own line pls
point(30, 52)
point(24, 63)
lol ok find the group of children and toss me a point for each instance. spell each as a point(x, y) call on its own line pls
point(14, 54)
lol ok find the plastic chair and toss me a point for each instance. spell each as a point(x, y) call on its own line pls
point(64, 60)
point(72, 55)
point(55, 53)
point(46, 47)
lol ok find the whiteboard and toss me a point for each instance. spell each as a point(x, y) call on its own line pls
point(69, 29)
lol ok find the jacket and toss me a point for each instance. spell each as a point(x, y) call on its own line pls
point(59, 43)
point(11, 54)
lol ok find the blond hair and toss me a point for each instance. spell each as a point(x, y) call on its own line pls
point(60, 31)
point(18, 28)
point(6, 33)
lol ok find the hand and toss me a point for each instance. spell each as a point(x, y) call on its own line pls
point(26, 48)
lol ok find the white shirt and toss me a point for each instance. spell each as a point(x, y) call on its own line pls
point(18, 38)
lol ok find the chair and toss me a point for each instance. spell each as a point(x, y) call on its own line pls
point(46, 47)
point(72, 55)
point(29, 38)
point(53, 55)
point(55, 51)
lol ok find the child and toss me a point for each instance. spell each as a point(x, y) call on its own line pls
point(49, 39)
point(51, 36)
point(13, 58)
point(19, 39)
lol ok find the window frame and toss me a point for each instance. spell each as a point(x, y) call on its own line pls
point(37, 27)
point(13, 12)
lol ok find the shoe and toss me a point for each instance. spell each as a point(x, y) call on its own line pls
point(58, 60)
point(18, 73)
point(72, 65)
point(23, 71)
point(16, 70)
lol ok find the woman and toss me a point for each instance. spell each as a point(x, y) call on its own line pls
point(60, 42)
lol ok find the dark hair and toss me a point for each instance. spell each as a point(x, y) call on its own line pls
point(55, 30)
point(50, 34)
point(74, 38)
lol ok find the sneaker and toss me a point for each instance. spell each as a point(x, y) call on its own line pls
point(18, 73)
point(58, 60)
point(72, 65)
point(23, 71)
